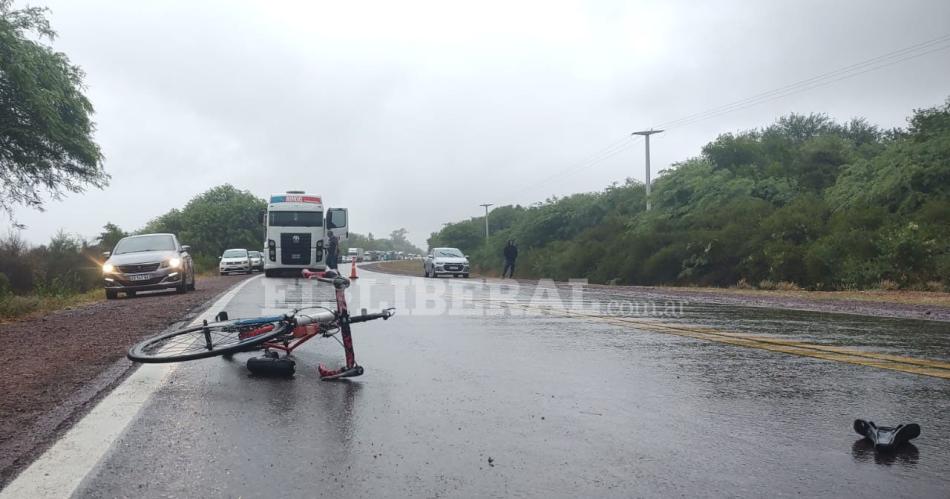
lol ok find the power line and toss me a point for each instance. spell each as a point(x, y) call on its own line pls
point(608, 152)
point(626, 144)
point(850, 71)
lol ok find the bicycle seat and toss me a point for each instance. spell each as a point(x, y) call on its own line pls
point(886, 437)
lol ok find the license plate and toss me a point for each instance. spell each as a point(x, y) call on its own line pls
point(140, 277)
point(295, 256)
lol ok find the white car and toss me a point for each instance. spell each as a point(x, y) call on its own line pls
point(235, 260)
point(257, 260)
point(441, 261)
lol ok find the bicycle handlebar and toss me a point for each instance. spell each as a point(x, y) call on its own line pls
point(337, 280)
point(385, 314)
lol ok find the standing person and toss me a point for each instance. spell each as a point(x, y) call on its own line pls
point(333, 249)
point(511, 254)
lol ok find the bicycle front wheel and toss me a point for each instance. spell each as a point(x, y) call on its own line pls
point(208, 340)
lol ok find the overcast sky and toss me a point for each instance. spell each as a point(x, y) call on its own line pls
point(412, 114)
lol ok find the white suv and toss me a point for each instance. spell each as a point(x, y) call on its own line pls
point(235, 260)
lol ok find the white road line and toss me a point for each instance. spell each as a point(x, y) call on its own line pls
point(60, 470)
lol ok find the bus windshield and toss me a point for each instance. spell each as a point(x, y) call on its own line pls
point(295, 219)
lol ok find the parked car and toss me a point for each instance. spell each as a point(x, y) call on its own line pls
point(147, 262)
point(235, 260)
point(445, 261)
point(257, 260)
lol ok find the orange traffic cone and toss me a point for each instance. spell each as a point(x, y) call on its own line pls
point(353, 270)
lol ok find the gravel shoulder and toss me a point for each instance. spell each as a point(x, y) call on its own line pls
point(55, 367)
point(896, 304)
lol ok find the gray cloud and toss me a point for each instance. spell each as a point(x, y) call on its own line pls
point(411, 114)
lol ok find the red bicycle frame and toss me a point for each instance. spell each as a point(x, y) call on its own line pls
point(302, 334)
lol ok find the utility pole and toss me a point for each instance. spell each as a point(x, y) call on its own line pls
point(646, 135)
point(486, 205)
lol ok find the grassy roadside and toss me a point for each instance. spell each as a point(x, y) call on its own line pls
point(410, 267)
point(14, 307)
point(927, 298)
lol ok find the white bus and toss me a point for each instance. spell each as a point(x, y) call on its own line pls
point(296, 232)
point(355, 254)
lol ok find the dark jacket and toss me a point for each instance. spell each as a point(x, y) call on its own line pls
point(511, 252)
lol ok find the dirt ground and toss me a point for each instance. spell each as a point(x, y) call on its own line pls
point(53, 367)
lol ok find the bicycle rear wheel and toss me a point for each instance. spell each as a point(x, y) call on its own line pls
point(208, 340)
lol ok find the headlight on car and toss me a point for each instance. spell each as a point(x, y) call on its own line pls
point(174, 262)
point(108, 268)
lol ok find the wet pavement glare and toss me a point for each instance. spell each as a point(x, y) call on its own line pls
point(526, 405)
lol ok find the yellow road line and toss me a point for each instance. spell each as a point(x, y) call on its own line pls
point(925, 367)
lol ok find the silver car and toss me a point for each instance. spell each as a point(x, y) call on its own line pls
point(441, 261)
point(147, 262)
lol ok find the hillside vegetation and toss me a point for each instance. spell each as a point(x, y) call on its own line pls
point(803, 202)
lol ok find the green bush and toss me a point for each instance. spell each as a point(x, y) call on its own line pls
point(205, 263)
point(5, 288)
point(804, 202)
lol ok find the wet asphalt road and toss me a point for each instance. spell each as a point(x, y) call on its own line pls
point(480, 400)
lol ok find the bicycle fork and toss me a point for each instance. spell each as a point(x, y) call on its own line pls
point(351, 368)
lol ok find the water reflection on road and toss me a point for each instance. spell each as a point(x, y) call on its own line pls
point(564, 406)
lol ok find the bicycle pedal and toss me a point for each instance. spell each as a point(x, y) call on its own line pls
point(327, 374)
